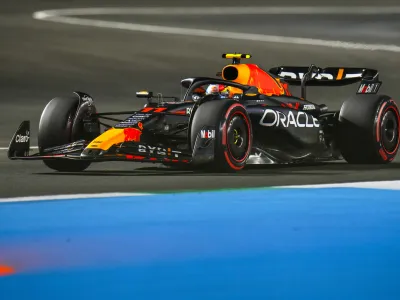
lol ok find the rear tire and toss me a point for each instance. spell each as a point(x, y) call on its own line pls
point(369, 129)
point(55, 129)
point(233, 133)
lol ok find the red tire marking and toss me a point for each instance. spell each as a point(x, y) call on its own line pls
point(248, 131)
point(224, 136)
point(383, 154)
point(226, 117)
point(378, 128)
point(230, 163)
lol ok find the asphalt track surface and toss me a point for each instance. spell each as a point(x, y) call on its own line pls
point(40, 60)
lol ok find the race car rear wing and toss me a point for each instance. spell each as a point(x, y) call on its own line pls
point(330, 76)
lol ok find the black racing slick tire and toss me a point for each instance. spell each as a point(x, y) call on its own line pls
point(233, 133)
point(369, 129)
point(55, 129)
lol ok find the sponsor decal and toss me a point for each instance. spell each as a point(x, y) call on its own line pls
point(272, 118)
point(319, 76)
point(189, 110)
point(154, 109)
point(369, 88)
point(300, 75)
point(133, 120)
point(22, 138)
point(290, 105)
point(132, 134)
point(158, 151)
point(308, 107)
point(207, 134)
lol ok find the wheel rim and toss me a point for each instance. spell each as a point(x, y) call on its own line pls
point(237, 134)
point(389, 131)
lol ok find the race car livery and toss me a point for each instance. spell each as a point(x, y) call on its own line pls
point(245, 115)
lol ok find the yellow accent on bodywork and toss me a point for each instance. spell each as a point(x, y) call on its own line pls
point(340, 74)
point(236, 55)
point(108, 139)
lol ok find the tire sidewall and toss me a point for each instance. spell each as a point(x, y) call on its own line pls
point(387, 104)
point(222, 147)
point(215, 115)
point(56, 129)
point(56, 122)
point(359, 126)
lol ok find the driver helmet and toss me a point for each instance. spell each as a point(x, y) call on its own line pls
point(214, 89)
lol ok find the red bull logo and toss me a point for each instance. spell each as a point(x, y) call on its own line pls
point(132, 134)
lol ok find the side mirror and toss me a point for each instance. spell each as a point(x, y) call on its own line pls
point(144, 94)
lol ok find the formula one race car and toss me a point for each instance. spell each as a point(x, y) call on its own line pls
point(248, 116)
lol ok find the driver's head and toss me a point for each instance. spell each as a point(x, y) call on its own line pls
point(212, 89)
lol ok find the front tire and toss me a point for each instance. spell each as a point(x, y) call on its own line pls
point(55, 129)
point(369, 129)
point(233, 133)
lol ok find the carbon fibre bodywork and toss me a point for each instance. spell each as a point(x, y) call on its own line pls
point(285, 128)
point(283, 131)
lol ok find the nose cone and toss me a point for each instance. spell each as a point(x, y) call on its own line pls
point(111, 137)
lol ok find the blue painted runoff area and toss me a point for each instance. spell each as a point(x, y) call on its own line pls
point(331, 243)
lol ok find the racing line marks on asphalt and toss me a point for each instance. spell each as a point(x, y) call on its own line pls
point(64, 16)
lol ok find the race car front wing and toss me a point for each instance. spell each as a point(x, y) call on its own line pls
point(19, 149)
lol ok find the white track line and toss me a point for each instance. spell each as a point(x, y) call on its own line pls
point(71, 197)
point(236, 10)
point(64, 16)
point(385, 185)
point(6, 148)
